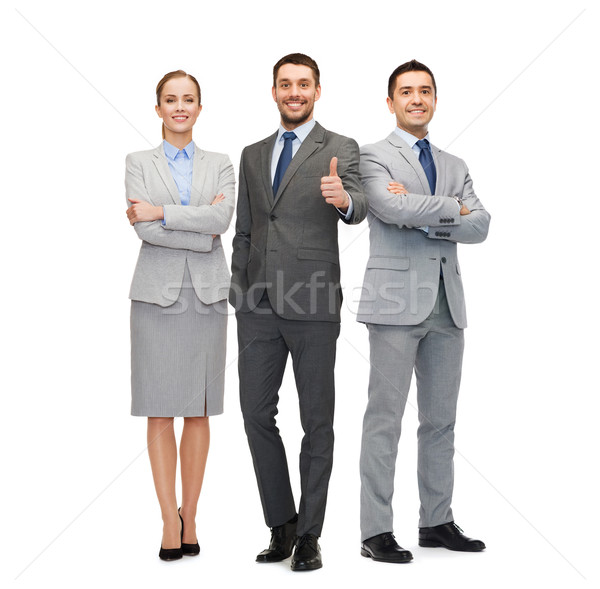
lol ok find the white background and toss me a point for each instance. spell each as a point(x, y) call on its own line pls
point(518, 94)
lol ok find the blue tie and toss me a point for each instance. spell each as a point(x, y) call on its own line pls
point(284, 160)
point(426, 160)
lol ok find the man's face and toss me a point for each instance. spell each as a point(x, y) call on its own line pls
point(295, 93)
point(413, 102)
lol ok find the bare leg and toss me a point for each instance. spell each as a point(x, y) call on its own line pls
point(162, 450)
point(193, 453)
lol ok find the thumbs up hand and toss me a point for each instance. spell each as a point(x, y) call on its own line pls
point(333, 167)
point(331, 188)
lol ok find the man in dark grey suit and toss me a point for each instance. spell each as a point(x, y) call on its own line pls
point(421, 204)
point(294, 187)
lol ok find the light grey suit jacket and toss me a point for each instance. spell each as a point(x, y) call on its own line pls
point(187, 233)
point(403, 271)
point(287, 243)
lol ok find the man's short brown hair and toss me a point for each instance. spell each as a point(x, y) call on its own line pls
point(410, 66)
point(297, 59)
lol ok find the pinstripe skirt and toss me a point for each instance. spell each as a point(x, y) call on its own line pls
point(178, 356)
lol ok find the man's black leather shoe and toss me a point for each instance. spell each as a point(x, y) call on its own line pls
point(307, 556)
point(449, 536)
point(282, 542)
point(384, 548)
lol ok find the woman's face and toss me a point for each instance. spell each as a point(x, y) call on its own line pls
point(179, 107)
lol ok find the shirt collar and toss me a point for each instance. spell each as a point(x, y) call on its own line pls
point(171, 151)
point(301, 132)
point(407, 137)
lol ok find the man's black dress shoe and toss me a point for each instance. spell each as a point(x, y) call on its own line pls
point(384, 548)
point(307, 556)
point(188, 549)
point(449, 536)
point(282, 542)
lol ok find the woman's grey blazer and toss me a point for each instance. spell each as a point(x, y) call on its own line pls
point(188, 230)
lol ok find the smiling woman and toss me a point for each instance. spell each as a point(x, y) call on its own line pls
point(181, 199)
point(178, 103)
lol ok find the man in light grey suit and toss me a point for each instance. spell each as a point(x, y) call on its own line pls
point(421, 204)
point(294, 187)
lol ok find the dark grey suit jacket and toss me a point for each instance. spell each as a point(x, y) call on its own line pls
point(287, 243)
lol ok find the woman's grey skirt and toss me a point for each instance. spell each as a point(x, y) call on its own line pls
point(178, 356)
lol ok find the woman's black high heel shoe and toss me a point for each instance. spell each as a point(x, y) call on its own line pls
point(170, 553)
point(188, 549)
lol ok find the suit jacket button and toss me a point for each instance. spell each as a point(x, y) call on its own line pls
point(452, 220)
point(437, 234)
point(273, 217)
point(443, 260)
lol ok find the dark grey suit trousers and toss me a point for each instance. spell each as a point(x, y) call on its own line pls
point(265, 339)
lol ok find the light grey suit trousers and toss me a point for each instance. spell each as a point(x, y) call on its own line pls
point(433, 347)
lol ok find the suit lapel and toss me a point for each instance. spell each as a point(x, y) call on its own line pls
point(409, 155)
point(162, 166)
point(440, 168)
point(266, 152)
point(309, 146)
point(198, 178)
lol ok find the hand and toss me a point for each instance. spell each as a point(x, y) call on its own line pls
point(397, 188)
point(465, 210)
point(141, 210)
point(332, 190)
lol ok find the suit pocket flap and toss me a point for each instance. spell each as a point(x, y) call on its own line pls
point(315, 254)
point(389, 263)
